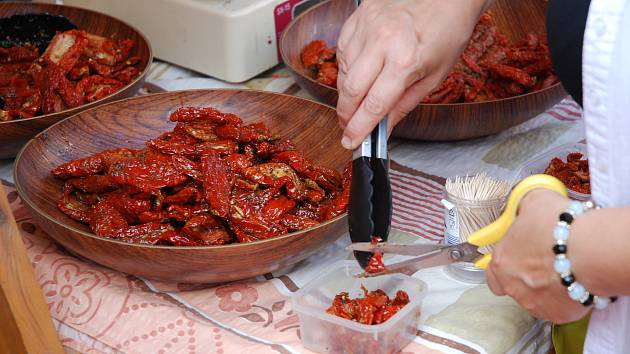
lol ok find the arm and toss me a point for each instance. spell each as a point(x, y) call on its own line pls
point(392, 53)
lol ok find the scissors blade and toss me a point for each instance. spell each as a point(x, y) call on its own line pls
point(390, 248)
point(464, 252)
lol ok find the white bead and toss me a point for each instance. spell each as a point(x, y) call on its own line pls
point(576, 291)
point(562, 265)
point(561, 233)
point(601, 302)
point(575, 208)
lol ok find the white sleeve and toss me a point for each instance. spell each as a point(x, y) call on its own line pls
point(606, 83)
point(606, 86)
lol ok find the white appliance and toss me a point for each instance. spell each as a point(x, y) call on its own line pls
point(232, 40)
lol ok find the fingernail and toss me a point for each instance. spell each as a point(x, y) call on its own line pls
point(346, 142)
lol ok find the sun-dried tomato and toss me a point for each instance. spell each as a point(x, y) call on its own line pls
point(375, 264)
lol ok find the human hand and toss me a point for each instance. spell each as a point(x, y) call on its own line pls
point(522, 263)
point(393, 53)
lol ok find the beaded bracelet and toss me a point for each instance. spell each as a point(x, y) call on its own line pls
point(562, 265)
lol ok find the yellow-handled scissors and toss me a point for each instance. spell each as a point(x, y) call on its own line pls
point(435, 255)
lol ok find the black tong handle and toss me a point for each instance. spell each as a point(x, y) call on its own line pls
point(360, 206)
point(370, 205)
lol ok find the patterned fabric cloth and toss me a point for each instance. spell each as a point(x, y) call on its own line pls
point(97, 310)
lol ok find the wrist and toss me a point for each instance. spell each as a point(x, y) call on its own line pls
point(599, 247)
point(578, 290)
point(549, 205)
point(581, 250)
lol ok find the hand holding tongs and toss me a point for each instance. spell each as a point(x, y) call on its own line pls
point(436, 255)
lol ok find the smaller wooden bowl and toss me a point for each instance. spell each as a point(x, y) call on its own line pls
point(14, 134)
point(432, 122)
point(130, 123)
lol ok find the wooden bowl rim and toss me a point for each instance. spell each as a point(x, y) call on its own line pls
point(288, 63)
point(32, 205)
point(72, 111)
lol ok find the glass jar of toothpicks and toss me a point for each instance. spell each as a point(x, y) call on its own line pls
point(472, 202)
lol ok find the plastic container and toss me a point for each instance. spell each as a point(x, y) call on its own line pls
point(325, 333)
point(539, 163)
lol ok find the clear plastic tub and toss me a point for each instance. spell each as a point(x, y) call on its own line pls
point(539, 163)
point(325, 333)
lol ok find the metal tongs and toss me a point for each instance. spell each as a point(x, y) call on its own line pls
point(370, 208)
point(437, 255)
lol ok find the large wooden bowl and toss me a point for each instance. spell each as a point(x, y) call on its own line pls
point(131, 122)
point(14, 134)
point(433, 122)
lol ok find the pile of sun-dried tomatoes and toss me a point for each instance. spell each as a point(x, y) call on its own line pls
point(573, 173)
point(374, 308)
point(213, 180)
point(76, 68)
point(489, 68)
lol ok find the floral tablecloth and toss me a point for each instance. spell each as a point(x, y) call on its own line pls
point(97, 310)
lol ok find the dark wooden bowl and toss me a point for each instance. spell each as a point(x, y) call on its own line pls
point(131, 122)
point(14, 134)
point(433, 122)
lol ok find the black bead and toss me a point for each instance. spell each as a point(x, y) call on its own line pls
point(560, 249)
point(568, 280)
point(566, 217)
point(613, 299)
point(589, 300)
